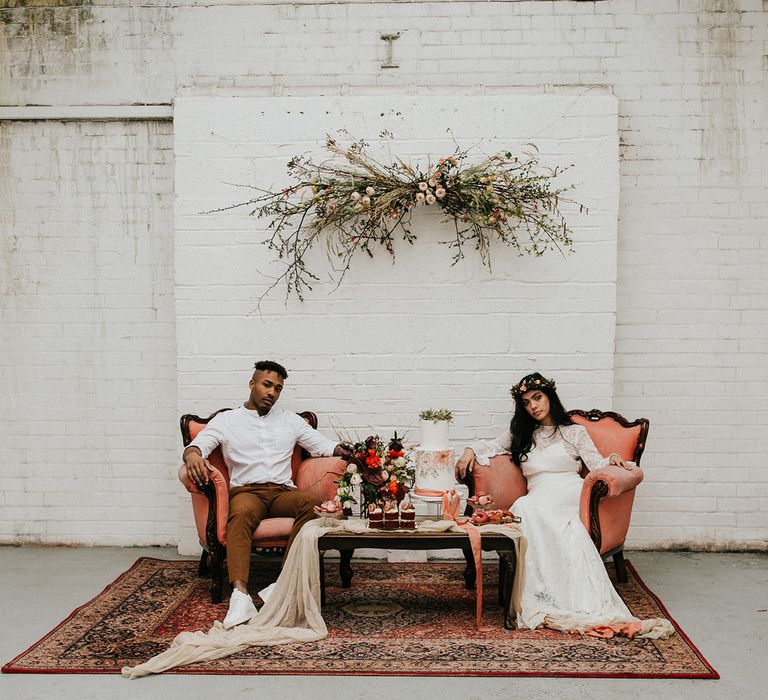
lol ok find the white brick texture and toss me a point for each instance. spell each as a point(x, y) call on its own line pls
point(87, 354)
point(79, 293)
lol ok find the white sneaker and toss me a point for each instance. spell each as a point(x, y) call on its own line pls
point(241, 609)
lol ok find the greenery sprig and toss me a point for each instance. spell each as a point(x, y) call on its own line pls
point(353, 201)
point(439, 414)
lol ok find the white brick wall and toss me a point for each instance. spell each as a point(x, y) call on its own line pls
point(87, 355)
point(690, 78)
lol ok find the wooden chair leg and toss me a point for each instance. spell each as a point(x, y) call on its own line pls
point(218, 554)
point(620, 566)
point(470, 573)
point(203, 570)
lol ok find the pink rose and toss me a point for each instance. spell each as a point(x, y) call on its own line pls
point(423, 186)
point(439, 193)
point(419, 198)
point(369, 190)
point(366, 201)
point(355, 196)
point(430, 199)
point(432, 182)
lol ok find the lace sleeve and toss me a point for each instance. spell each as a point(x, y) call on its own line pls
point(587, 450)
point(485, 449)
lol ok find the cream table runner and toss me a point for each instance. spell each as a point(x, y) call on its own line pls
point(292, 613)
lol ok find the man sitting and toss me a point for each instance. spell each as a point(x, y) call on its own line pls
point(257, 441)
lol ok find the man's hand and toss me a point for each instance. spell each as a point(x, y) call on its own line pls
point(465, 463)
point(198, 468)
point(343, 449)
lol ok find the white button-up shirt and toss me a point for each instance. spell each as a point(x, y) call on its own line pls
point(258, 449)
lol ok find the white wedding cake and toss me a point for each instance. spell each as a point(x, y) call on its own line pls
point(434, 460)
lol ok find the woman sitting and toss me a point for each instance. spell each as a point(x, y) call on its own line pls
point(566, 586)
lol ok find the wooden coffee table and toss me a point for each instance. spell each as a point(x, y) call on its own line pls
point(347, 542)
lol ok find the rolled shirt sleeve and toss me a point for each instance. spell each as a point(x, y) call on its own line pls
point(209, 438)
point(313, 441)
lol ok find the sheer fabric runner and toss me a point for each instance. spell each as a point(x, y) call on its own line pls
point(292, 613)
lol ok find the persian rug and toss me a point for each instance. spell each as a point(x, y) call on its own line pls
point(397, 619)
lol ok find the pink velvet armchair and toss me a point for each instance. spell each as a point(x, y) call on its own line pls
point(210, 505)
point(607, 494)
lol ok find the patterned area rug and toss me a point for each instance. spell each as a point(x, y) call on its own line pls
point(397, 619)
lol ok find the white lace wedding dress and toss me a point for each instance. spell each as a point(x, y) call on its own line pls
point(566, 586)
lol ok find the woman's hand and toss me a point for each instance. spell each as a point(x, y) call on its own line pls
point(465, 463)
point(619, 462)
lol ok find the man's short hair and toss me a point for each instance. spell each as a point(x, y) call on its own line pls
point(270, 366)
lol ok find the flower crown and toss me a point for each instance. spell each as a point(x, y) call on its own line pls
point(529, 384)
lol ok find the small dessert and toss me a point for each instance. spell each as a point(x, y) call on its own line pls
point(329, 509)
point(391, 516)
point(481, 501)
point(375, 516)
point(493, 517)
point(407, 516)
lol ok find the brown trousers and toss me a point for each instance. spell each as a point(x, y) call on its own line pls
point(248, 506)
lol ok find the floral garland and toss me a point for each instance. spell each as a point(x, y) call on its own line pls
point(353, 201)
point(532, 382)
point(383, 471)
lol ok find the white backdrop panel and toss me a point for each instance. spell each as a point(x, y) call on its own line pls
point(393, 338)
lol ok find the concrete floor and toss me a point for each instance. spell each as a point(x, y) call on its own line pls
point(720, 600)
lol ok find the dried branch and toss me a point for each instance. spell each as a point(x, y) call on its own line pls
point(353, 202)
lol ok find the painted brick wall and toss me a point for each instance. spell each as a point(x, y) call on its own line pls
point(690, 78)
point(87, 355)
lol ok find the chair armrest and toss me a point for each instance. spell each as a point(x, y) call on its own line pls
point(617, 480)
point(210, 505)
point(188, 483)
point(606, 501)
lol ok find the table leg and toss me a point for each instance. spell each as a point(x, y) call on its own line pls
point(345, 567)
point(502, 578)
point(322, 578)
point(470, 573)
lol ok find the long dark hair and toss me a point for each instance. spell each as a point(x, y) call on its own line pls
point(523, 424)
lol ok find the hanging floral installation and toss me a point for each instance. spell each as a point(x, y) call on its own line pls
point(353, 202)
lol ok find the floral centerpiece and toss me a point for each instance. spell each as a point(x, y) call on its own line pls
point(353, 201)
point(383, 471)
